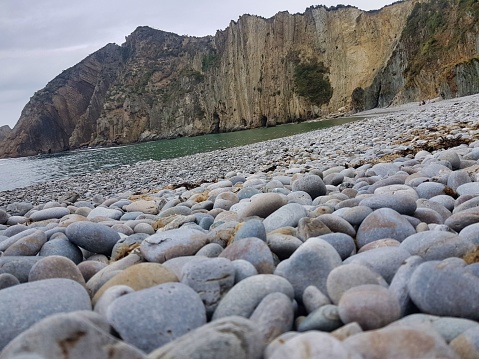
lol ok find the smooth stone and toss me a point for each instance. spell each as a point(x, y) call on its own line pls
point(471, 233)
point(402, 204)
point(15, 237)
point(311, 345)
point(139, 276)
point(174, 211)
point(354, 215)
point(311, 227)
point(243, 269)
point(299, 197)
point(385, 261)
point(325, 319)
point(383, 223)
point(99, 212)
point(450, 156)
point(251, 228)
point(144, 228)
point(49, 213)
point(286, 216)
point(444, 200)
point(428, 216)
point(18, 266)
point(210, 250)
point(371, 306)
point(15, 229)
point(144, 206)
point(337, 224)
point(471, 188)
point(311, 184)
point(245, 296)
point(164, 303)
point(23, 305)
point(231, 337)
point(273, 316)
point(19, 208)
point(458, 178)
point(462, 219)
point(27, 246)
point(436, 245)
point(210, 278)
point(55, 267)
point(247, 192)
point(93, 237)
point(309, 265)
point(283, 245)
point(89, 268)
point(8, 280)
point(465, 202)
point(125, 245)
point(69, 336)
point(262, 205)
point(313, 299)
point(16, 220)
point(400, 342)
point(222, 233)
point(62, 247)
point(385, 169)
point(430, 189)
point(225, 200)
point(396, 189)
point(399, 284)
point(173, 243)
point(343, 243)
point(348, 276)
point(110, 295)
point(380, 243)
point(346, 331)
point(466, 345)
point(445, 289)
point(333, 179)
point(253, 250)
point(429, 204)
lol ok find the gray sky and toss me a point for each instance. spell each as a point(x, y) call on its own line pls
point(41, 38)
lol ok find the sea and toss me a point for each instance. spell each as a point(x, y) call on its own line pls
point(26, 171)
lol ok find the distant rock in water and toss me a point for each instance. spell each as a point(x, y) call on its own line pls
point(257, 72)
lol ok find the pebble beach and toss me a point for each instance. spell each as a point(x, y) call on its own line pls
point(356, 241)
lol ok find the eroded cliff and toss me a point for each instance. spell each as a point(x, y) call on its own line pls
point(256, 72)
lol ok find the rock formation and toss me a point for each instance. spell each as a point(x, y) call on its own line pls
point(256, 72)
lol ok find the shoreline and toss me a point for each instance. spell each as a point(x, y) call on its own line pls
point(387, 133)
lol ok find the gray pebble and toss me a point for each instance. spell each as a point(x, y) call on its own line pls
point(311, 184)
point(49, 213)
point(243, 269)
point(286, 216)
point(254, 250)
point(93, 237)
point(62, 247)
point(325, 319)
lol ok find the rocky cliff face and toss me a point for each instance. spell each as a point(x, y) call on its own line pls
point(257, 72)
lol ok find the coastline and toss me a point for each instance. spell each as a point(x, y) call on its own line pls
point(382, 133)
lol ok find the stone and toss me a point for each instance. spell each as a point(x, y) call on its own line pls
point(3, 216)
point(380, 243)
point(110, 295)
point(8, 280)
point(403, 204)
point(311, 227)
point(313, 299)
point(89, 268)
point(471, 188)
point(457, 178)
point(49, 213)
point(466, 345)
point(445, 288)
point(225, 200)
point(164, 303)
point(262, 205)
point(286, 216)
point(283, 245)
point(311, 184)
point(348, 276)
point(354, 215)
point(385, 260)
point(243, 269)
point(69, 336)
point(93, 237)
point(62, 247)
point(55, 267)
point(400, 342)
point(437, 245)
point(311, 345)
point(462, 219)
point(210, 278)
point(19, 208)
point(325, 319)
point(343, 243)
point(309, 265)
point(299, 197)
point(23, 305)
point(173, 243)
point(230, 337)
point(371, 306)
point(383, 223)
point(18, 266)
point(346, 331)
point(137, 277)
point(144, 228)
point(28, 245)
point(210, 250)
point(253, 250)
point(338, 224)
point(273, 316)
point(144, 206)
point(245, 296)
point(430, 189)
point(99, 212)
point(251, 228)
point(127, 244)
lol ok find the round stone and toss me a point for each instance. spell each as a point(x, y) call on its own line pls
point(55, 267)
point(325, 319)
point(62, 247)
point(371, 306)
point(93, 237)
point(28, 245)
point(262, 205)
point(287, 216)
point(402, 204)
point(311, 184)
point(251, 228)
point(164, 303)
point(253, 250)
point(49, 213)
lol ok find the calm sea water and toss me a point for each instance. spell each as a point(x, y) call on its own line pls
point(25, 171)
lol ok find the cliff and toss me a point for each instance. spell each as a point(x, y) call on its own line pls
point(256, 72)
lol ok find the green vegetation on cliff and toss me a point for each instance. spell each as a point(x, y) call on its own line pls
point(311, 82)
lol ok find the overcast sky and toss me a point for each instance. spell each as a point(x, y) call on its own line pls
point(41, 38)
